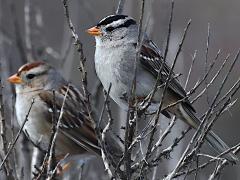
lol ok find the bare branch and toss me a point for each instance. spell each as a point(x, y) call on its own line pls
point(164, 134)
point(223, 164)
point(17, 136)
point(3, 129)
point(120, 6)
point(28, 34)
point(56, 167)
point(18, 36)
point(197, 85)
point(55, 133)
point(190, 69)
point(66, 52)
point(79, 47)
point(131, 114)
point(169, 32)
point(235, 149)
point(213, 79)
point(156, 117)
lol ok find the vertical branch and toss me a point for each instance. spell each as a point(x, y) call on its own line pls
point(156, 118)
point(164, 134)
point(54, 134)
point(107, 160)
point(120, 6)
point(197, 85)
point(190, 69)
point(202, 125)
point(223, 164)
point(164, 59)
point(28, 40)
point(222, 84)
point(169, 32)
point(104, 151)
point(214, 77)
point(131, 114)
point(66, 52)
point(235, 149)
point(12, 132)
point(207, 48)
point(51, 157)
point(18, 36)
point(206, 58)
point(3, 124)
point(54, 171)
point(17, 136)
point(79, 47)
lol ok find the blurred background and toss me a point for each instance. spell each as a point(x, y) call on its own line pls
point(45, 33)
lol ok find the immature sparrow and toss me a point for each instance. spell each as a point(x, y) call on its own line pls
point(37, 81)
point(116, 40)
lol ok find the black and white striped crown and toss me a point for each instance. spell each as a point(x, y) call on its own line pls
point(116, 21)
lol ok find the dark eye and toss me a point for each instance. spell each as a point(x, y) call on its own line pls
point(110, 29)
point(30, 76)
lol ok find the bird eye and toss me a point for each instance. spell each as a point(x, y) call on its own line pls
point(110, 29)
point(30, 76)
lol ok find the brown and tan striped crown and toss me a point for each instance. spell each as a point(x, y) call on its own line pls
point(27, 67)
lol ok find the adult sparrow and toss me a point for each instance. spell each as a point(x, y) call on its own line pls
point(116, 42)
point(41, 82)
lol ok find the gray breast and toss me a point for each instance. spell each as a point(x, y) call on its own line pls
point(35, 127)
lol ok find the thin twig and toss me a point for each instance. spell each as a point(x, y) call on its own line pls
point(169, 149)
point(235, 150)
point(206, 58)
point(18, 36)
point(120, 6)
point(104, 107)
point(190, 69)
point(17, 136)
point(131, 114)
point(202, 124)
point(79, 47)
point(208, 115)
point(222, 84)
point(107, 160)
point(55, 133)
point(209, 126)
point(223, 164)
point(164, 134)
point(65, 54)
point(169, 32)
point(232, 91)
point(197, 85)
point(3, 129)
point(166, 86)
point(57, 166)
point(213, 79)
point(28, 39)
point(105, 130)
point(164, 60)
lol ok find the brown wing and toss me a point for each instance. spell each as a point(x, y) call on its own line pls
point(75, 123)
point(151, 59)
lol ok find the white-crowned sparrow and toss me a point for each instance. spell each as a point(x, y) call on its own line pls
point(38, 80)
point(116, 39)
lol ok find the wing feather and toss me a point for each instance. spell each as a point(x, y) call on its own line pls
point(151, 60)
point(75, 122)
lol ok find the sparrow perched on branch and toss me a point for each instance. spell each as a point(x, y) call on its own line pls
point(37, 81)
point(116, 46)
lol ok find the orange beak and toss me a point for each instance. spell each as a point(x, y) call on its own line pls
point(15, 79)
point(94, 31)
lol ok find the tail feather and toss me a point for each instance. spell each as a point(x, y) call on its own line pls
point(217, 144)
point(220, 146)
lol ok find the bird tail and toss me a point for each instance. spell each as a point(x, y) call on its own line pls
point(217, 144)
point(220, 146)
